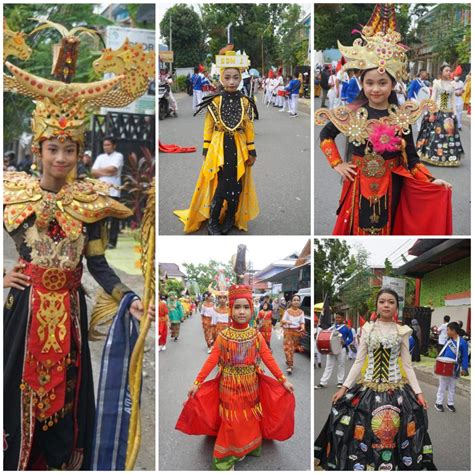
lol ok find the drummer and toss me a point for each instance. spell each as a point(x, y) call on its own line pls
point(456, 349)
point(339, 359)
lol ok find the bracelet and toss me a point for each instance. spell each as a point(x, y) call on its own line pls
point(282, 379)
point(197, 383)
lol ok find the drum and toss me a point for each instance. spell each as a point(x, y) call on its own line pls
point(329, 342)
point(444, 366)
point(281, 93)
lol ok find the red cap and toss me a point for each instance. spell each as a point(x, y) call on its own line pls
point(240, 291)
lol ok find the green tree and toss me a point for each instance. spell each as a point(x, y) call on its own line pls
point(187, 35)
point(332, 266)
point(450, 38)
point(173, 285)
point(205, 274)
point(357, 290)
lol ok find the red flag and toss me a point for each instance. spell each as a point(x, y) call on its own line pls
point(458, 70)
point(362, 321)
point(373, 316)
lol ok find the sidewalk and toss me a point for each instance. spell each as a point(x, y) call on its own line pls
point(425, 372)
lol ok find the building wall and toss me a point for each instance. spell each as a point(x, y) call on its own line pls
point(457, 313)
point(453, 278)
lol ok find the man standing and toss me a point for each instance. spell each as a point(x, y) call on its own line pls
point(456, 349)
point(443, 333)
point(293, 89)
point(108, 168)
point(353, 87)
point(324, 83)
point(197, 80)
point(340, 359)
point(418, 91)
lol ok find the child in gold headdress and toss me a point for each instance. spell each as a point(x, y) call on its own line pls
point(225, 180)
point(55, 221)
point(386, 190)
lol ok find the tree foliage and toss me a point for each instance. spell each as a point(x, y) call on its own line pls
point(353, 16)
point(205, 274)
point(333, 264)
point(187, 35)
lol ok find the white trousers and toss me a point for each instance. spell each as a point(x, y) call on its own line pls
point(286, 104)
point(197, 99)
point(294, 103)
point(459, 109)
point(449, 384)
point(331, 361)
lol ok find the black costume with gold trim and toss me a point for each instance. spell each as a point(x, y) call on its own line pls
point(48, 388)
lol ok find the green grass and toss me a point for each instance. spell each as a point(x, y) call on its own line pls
point(124, 257)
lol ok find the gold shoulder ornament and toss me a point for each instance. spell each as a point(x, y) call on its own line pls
point(77, 203)
point(356, 125)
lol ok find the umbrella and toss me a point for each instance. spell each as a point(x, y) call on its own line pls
point(254, 72)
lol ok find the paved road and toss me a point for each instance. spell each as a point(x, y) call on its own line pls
point(146, 457)
point(449, 432)
point(179, 365)
point(327, 185)
point(281, 173)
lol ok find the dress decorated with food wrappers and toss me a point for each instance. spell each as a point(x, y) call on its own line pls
point(439, 141)
point(378, 424)
point(48, 389)
point(241, 406)
point(225, 178)
point(392, 192)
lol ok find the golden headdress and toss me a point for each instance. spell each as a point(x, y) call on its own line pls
point(62, 108)
point(222, 284)
point(227, 58)
point(379, 48)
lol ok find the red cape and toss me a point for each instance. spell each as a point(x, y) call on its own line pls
point(172, 148)
point(200, 415)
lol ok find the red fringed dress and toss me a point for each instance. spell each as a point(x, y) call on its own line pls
point(265, 323)
point(241, 405)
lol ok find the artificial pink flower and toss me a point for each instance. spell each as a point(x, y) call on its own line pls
point(384, 138)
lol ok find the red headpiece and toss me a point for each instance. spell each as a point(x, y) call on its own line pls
point(240, 291)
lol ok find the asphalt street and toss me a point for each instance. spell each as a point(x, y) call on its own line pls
point(146, 456)
point(179, 365)
point(327, 184)
point(449, 432)
point(281, 173)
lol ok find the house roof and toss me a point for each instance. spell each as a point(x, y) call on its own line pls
point(433, 254)
point(171, 270)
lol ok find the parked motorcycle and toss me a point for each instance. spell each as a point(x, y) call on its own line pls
point(164, 108)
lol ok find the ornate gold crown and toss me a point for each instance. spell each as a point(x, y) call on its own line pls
point(62, 108)
point(380, 51)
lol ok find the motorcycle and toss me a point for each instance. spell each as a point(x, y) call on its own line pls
point(164, 109)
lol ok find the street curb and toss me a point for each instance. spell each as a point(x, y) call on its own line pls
point(426, 375)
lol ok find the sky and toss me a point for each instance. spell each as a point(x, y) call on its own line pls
point(382, 247)
point(261, 250)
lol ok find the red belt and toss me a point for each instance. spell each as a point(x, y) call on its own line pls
point(53, 279)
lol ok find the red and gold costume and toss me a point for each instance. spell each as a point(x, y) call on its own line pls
point(265, 325)
point(206, 318)
point(235, 406)
point(220, 324)
point(163, 323)
point(293, 327)
point(50, 410)
point(392, 192)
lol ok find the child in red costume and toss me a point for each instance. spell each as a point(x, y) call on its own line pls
point(241, 406)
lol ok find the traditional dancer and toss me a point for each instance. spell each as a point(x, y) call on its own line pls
point(380, 422)
point(339, 359)
point(229, 154)
point(56, 222)
point(220, 313)
point(386, 190)
point(175, 314)
point(163, 323)
point(439, 142)
point(265, 322)
point(293, 328)
point(207, 310)
point(456, 349)
point(235, 406)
